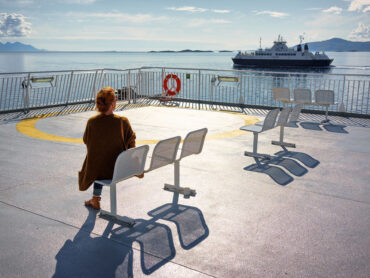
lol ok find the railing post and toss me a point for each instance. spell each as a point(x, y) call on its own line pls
point(342, 108)
point(138, 87)
point(93, 93)
point(27, 95)
point(199, 75)
point(129, 86)
point(161, 83)
point(69, 89)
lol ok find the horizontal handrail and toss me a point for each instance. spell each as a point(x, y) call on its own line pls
point(196, 69)
point(352, 91)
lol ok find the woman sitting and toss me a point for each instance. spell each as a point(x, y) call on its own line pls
point(106, 136)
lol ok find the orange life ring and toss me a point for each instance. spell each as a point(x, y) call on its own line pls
point(172, 91)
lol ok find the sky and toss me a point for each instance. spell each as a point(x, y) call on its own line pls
point(143, 25)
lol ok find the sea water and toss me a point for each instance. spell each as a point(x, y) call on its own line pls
point(344, 62)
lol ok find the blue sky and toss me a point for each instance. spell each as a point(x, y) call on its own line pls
point(141, 25)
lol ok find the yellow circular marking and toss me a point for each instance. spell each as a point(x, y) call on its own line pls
point(27, 127)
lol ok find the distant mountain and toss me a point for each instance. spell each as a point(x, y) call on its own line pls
point(337, 44)
point(17, 46)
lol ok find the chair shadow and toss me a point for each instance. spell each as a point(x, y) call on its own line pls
point(328, 127)
point(111, 255)
point(88, 256)
point(275, 173)
point(311, 125)
point(155, 240)
point(292, 124)
point(289, 164)
point(191, 226)
point(335, 128)
point(304, 158)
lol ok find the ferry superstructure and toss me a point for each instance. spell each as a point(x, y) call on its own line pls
point(280, 55)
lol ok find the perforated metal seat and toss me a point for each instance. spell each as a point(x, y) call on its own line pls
point(302, 96)
point(128, 164)
point(282, 121)
point(324, 98)
point(296, 111)
point(193, 144)
point(164, 153)
point(268, 123)
point(282, 94)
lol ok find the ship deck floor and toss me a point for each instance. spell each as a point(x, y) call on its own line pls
point(305, 213)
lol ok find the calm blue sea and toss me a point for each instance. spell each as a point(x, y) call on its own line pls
point(344, 62)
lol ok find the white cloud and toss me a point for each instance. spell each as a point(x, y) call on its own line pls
point(313, 9)
point(272, 14)
point(334, 10)
point(120, 17)
point(358, 5)
point(196, 10)
point(188, 9)
point(83, 2)
point(221, 11)
point(13, 25)
point(361, 33)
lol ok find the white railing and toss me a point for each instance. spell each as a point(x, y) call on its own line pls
point(25, 91)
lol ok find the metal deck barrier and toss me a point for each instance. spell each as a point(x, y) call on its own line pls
point(33, 90)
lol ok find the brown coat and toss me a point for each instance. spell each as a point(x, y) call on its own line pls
point(104, 142)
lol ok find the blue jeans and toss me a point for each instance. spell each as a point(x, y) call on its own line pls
point(97, 189)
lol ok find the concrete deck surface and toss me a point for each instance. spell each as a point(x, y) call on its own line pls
point(306, 213)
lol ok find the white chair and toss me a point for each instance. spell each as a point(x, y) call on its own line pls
point(282, 121)
point(282, 94)
point(296, 111)
point(193, 144)
point(164, 153)
point(128, 164)
point(303, 96)
point(268, 123)
point(324, 98)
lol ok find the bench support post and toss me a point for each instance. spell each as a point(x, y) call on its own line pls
point(281, 141)
point(326, 115)
point(254, 153)
point(177, 189)
point(113, 208)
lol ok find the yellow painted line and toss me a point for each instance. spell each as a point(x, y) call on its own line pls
point(27, 127)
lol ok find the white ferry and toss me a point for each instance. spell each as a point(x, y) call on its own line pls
point(279, 55)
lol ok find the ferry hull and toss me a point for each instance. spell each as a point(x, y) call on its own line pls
point(281, 63)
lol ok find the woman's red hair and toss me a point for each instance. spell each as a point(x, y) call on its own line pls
point(105, 97)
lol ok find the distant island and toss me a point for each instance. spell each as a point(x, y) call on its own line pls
point(335, 45)
point(180, 51)
point(338, 45)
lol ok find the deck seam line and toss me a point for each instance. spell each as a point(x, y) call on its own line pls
point(330, 195)
point(118, 242)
